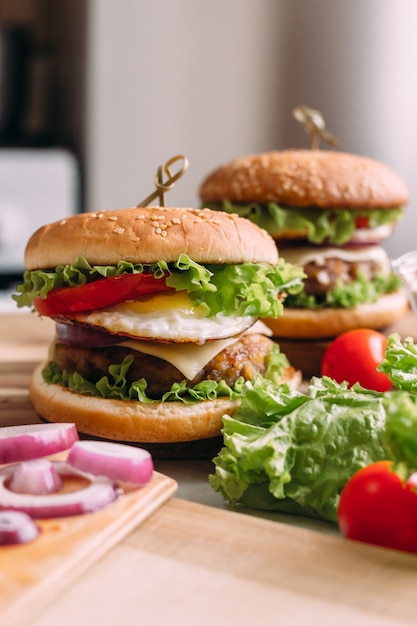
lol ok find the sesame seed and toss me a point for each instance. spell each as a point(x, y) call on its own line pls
point(119, 231)
point(112, 218)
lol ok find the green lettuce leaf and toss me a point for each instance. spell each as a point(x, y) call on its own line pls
point(401, 430)
point(246, 289)
point(333, 226)
point(116, 384)
point(400, 363)
point(347, 296)
point(291, 452)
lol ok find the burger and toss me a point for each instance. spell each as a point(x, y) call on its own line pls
point(157, 315)
point(329, 212)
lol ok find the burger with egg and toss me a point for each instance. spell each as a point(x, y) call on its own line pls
point(329, 212)
point(157, 320)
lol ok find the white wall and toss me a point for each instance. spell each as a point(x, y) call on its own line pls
point(356, 61)
point(216, 79)
point(165, 77)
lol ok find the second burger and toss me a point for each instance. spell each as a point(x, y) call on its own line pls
point(329, 212)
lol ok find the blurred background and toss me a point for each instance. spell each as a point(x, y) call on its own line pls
point(95, 94)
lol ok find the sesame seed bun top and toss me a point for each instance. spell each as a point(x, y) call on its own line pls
point(304, 178)
point(148, 235)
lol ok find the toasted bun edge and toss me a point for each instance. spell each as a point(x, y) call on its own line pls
point(148, 235)
point(307, 178)
point(330, 322)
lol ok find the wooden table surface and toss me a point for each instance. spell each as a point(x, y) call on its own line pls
point(189, 563)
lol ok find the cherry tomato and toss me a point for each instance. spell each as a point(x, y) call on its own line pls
point(354, 356)
point(377, 507)
point(98, 294)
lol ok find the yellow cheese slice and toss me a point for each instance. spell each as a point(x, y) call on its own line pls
point(190, 358)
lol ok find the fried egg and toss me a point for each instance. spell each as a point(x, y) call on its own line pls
point(167, 317)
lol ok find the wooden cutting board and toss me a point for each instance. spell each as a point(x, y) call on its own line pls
point(32, 575)
point(193, 564)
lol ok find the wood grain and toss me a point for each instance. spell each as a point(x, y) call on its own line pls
point(32, 575)
point(282, 556)
point(193, 564)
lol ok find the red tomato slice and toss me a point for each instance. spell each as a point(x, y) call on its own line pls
point(354, 356)
point(362, 222)
point(377, 507)
point(99, 294)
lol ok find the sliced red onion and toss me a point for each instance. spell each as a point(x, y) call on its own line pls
point(99, 492)
point(117, 461)
point(37, 476)
point(17, 527)
point(85, 336)
point(22, 443)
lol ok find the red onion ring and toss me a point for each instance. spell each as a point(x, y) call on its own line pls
point(37, 476)
point(85, 336)
point(17, 527)
point(119, 462)
point(22, 443)
point(99, 492)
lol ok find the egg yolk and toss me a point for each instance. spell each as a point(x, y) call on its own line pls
point(164, 302)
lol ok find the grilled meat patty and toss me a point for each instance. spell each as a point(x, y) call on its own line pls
point(246, 357)
point(321, 276)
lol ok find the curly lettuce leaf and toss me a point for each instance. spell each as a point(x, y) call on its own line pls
point(400, 363)
point(291, 452)
point(401, 430)
point(115, 384)
point(335, 226)
point(246, 289)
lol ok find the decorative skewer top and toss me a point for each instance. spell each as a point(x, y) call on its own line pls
point(314, 125)
point(164, 186)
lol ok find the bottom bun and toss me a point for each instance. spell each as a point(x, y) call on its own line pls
point(330, 322)
point(128, 420)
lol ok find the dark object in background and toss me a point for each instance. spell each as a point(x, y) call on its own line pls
point(15, 45)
